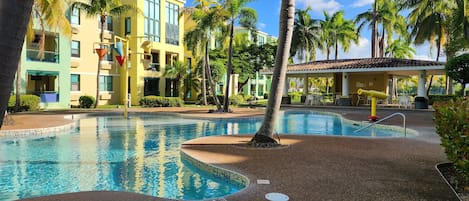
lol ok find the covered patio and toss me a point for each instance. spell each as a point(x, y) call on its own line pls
point(349, 75)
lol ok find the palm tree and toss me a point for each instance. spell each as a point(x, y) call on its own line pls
point(400, 49)
point(178, 72)
point(246, 17)
point(209, 16)
point(429, 22)
point(12, 35)
point(337, 30)
point(266, 131)
point(387, 17)
point(306, 36)
point(103, 9)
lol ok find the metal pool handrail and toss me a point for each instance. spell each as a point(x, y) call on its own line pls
point(383, 119)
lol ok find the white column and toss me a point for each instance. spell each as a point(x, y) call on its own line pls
point(421, 83)
point(256, 89)
point(345, 90)
point(305, 85)
point(285, 88)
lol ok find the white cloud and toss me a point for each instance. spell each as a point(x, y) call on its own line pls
point(261, 26)
point(330, 6)
point(361, 3)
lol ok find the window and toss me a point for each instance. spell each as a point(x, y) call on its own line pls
point(75, 48)
point(75, 82)
point(109, 54)
point(105, 83)
point(172, 23)
point(75, 16)
point(152, 19)
point(107, 24)
point(261, 40)
point(127, 26)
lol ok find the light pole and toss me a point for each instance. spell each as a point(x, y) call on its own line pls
point(121, 46)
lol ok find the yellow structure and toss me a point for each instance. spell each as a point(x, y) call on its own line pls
point(156, 31)
point(373, 94)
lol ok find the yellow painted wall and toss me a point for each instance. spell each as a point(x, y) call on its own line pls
point(86, 66)
point(137, 71)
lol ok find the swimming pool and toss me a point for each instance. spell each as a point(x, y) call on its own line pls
point(140, 154)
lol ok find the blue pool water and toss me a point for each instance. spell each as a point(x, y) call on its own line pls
point(140, 155)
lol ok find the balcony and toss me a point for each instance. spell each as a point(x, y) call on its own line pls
point(49, 56)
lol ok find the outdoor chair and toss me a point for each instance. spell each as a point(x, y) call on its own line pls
point(403, 101)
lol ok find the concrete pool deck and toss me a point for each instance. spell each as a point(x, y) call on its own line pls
point(311, 167)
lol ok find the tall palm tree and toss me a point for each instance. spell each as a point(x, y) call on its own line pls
point(12, 35)
point(209, 16)
point(246, 17)
point(387, 18)
point(429, 22)
point(287, 17)
point(338, 30)
point(400, 49)
point(306, 36)
point(103, 9)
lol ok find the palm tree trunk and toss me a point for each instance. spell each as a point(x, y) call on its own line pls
point(374, 30)
point(18, 87)
point(381, 44)
point(438, 52)
point(11, 43)
point(266, 131)
point(98, 74)
point(336, 56)
point(204, 79)
point(226, 102)
point(210, 79)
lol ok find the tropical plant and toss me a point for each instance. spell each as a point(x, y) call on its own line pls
point(245, 17)
point(266, 131)
point(457, 68)
point(103, 9)
point(177, 71)
point(400, 49)
point(306, 36)
point(209, 16)
point(12, 39)
point(337, 30)
point(385, 14)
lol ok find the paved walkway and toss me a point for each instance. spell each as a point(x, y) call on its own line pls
point(314, 167)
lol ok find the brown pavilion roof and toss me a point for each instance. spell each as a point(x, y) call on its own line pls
point(361, 65)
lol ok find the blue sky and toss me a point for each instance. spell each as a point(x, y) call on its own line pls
point(268, 17)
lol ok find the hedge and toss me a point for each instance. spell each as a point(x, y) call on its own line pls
point(158, 101)
point(28, 102)
point(86, 101)
point(452, 125)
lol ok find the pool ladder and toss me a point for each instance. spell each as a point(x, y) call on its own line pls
point(384, 119)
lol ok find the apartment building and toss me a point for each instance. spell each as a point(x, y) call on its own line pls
point(69, 66)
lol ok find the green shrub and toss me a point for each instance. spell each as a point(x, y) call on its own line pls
point(452, 125)
point(28, 102)
point(86, 101)
point(158, 101)
point(236, 99)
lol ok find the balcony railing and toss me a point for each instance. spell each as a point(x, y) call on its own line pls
point(49, 56)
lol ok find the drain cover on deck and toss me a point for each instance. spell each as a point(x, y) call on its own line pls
point(276, 197)
point(263, 181)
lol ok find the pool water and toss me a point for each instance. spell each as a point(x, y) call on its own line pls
point(141, 154)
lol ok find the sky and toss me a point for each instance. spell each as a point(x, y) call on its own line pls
point(268, 21)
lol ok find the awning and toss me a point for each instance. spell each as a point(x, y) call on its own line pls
point(43, 73)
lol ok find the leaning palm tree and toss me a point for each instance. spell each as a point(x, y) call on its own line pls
point(266, 131)
point(306, 36)
point(103, 9)
point(12, 35)
point(246, 17)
